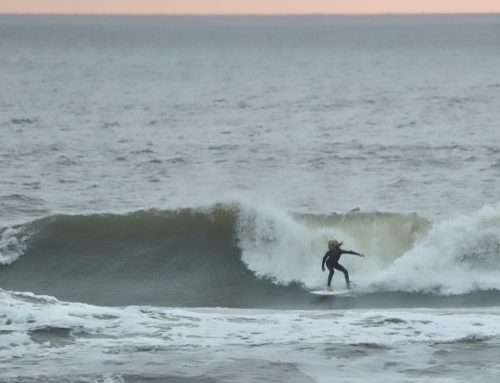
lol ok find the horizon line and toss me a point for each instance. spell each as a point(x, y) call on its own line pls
point(246, 14)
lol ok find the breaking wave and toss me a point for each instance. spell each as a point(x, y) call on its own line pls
point(236, 255)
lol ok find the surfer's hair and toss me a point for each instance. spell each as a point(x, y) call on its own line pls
point(334, 243)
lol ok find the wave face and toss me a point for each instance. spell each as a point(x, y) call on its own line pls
point(240, 256)
point(146, 257)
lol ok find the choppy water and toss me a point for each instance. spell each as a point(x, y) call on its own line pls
point(311, 113)
point(177, 179)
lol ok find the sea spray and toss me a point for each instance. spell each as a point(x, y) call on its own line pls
point(12, 244)
point(457, 256)
point(288, 248)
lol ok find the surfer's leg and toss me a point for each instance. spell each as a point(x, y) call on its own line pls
point(330, 276)
point(346, 273)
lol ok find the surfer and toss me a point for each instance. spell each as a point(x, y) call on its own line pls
point(331, 259)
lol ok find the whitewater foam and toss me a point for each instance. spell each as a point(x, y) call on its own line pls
point(289, 248)
point(457, 256)
point(403, 252)
point(87, 341)
point(12, 244)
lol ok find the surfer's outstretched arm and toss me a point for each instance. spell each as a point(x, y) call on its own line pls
point(352, 252)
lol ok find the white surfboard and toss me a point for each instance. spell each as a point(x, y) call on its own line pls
point(323, 292)
point(334, 292)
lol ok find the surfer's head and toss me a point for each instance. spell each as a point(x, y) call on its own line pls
point(333, 244)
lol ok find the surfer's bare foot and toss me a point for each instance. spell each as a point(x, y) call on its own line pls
point(329, 288)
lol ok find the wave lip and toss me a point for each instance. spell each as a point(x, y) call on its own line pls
point(12, 244)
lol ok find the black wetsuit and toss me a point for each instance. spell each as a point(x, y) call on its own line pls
point(332, 262)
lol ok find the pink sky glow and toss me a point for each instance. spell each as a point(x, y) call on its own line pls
point(249, 6)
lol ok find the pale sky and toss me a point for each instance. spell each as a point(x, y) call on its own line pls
point(249, 6)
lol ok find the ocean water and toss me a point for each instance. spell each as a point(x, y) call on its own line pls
point(169, 184)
